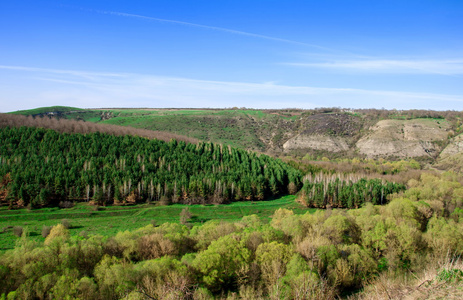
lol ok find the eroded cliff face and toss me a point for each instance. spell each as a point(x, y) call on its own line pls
point(404, 138)
point(387, 138)
point(454, 147)
point(317, 142)
point(451, 158)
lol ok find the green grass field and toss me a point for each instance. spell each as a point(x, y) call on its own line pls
point(84, 219)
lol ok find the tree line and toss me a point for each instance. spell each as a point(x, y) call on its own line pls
point(42, 167)
point(345, 191)
point(73, 126)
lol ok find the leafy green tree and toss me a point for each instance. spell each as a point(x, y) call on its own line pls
point(272, 258)
point(222, 262)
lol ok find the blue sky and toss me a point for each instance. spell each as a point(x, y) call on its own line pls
point(255, 54)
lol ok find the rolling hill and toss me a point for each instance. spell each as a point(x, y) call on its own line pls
point(330, 132)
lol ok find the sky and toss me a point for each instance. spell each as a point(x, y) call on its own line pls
point(391, 54)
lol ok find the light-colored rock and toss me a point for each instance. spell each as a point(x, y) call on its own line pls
point(404, 138)
point(317, 142)
point(454, 147)
point(451, 158)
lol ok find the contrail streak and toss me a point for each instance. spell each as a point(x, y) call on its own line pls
point(232, 31)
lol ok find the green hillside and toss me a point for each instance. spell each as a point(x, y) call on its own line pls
point(41, 166)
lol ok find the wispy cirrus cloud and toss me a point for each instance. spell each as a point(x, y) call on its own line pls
point(105, 89)
point(441, 67)
point(82, 74)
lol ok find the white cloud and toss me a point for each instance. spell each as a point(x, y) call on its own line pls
point(443, 67)
point(59, 71)
point(99, 89)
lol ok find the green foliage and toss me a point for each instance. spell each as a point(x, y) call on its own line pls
point(450, 275)
point(47, 167)
point(112, 219)
point(284, 220)
point(343, 193)
point(326, 254)
point(444, 236)
point(57, 232)
point(444, 193)
point(114, 277)
point(272, 259)
point(221, 263)
point(340, 229)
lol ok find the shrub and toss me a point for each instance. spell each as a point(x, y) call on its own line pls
point(66, 204)
point(154, 246)
point(164, 200)
point(66, 223)
point(57, 232)
point(185, 216)
point(46, 231)
point(18, 231)
point(97, 208)
point(452, 275)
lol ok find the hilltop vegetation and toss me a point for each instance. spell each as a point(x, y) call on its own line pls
point(330, 132)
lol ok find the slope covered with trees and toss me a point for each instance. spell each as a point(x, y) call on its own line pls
point(41, 167)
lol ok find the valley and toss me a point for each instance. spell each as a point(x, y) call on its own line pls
point(230, 204)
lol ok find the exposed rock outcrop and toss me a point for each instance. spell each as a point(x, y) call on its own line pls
point(454, 147)
point(404, 138)
point(317, 142)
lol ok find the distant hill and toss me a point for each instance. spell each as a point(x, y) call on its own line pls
point(330, 132)
point(48, 110)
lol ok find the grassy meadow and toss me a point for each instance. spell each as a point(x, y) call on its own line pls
point(85, 219)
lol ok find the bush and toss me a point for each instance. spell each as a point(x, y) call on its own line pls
point(164, 200)
point(66, 204)
point(185, 216)
point(58, 231)
point(18, 231)
point(97, 208)
point(46, 231)
point(66, 223)
point(452, 275)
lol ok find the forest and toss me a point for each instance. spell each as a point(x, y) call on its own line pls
point(42, 167)
point(371, 236)
point(345, 191)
